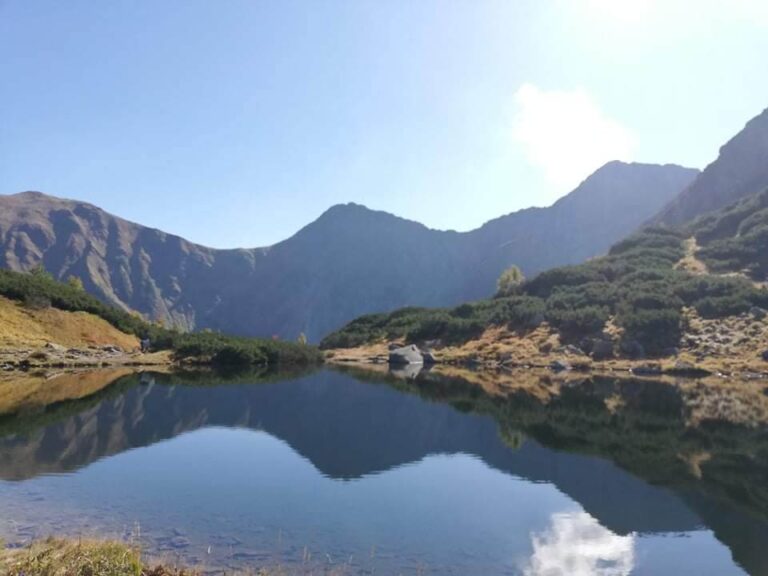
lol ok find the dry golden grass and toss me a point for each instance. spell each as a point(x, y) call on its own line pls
point(24, 328)
point(730, 346)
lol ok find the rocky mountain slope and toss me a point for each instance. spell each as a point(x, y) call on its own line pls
point(349, 262)
point(741, 169)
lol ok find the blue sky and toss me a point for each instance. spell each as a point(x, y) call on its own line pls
point(236, 122)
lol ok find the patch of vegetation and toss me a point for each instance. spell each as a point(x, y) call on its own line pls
point(39, 289)
point(736, 239)
point(224, 350)
point(55, 557)
point(637, 283)
point(509, 282)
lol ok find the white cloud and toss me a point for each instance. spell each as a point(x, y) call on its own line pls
point(576, 545)
point(566, 134)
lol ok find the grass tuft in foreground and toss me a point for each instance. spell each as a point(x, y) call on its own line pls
point(54, 557)
point(62, 557)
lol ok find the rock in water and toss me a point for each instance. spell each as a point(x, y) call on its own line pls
point(406, 355)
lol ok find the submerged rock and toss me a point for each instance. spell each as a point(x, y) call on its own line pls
point(406, 355)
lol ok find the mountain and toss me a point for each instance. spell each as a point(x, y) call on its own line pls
point(349, 262)
point(741, 169)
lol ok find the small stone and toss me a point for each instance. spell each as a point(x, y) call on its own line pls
point(765, 355)
point(559, 365)
point(571, 350)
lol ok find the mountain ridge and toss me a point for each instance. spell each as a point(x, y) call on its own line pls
point(740, 170)
point(351, 260)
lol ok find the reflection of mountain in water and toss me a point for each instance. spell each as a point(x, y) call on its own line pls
point(349, 429)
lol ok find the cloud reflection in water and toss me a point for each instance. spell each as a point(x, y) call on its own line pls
point(575, 544)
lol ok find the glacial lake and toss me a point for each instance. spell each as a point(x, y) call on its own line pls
point(342, 472)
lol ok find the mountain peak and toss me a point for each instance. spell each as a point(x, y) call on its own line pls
point(741, 169)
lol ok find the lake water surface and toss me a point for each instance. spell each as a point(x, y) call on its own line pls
point(338, 473)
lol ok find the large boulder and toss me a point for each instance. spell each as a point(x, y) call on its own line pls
point(406, 355)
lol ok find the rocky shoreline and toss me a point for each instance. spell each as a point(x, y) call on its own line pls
point(736, 347)
point(53, 355)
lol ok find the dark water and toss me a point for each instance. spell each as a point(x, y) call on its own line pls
point(331, 472)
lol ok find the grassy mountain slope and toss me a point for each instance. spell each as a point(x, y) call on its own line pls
point(639, 297)
point(25, 327)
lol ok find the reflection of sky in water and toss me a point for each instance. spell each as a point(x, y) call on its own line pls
point(251, 498)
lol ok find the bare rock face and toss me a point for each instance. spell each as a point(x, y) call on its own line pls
point(349, 262)
point(741, 169)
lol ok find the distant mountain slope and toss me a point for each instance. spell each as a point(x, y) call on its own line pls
point(349, 262)
point(606, 207)
point(741, 169)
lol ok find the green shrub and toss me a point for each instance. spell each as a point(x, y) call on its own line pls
point(576, 322)
point(509, 282)
point(238, 355)
point(547, 282)
point(518, 312)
